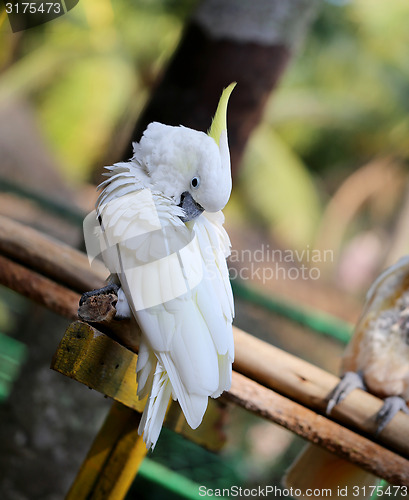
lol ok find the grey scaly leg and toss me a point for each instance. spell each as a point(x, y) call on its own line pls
point(349, 382)
point(391, 406)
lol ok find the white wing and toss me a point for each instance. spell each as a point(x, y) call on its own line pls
point(187, 335)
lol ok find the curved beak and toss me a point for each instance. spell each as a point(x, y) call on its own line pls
point(190, 207)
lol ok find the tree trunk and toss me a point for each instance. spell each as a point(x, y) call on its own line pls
point(225, 41)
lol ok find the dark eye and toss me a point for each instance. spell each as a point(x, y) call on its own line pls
point(195, 182)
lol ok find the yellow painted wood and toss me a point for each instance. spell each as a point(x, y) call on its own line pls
point(123, 464)
point(94, 359)
point(113, 460)
point(210, 432)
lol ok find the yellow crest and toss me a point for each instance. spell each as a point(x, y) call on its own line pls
point(219, 120)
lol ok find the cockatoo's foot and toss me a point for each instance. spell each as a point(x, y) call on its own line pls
point(123, 311)
point(349, 382)
point(391, 406)
point(111, 288)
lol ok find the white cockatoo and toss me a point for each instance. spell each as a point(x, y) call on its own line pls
point(161, 230)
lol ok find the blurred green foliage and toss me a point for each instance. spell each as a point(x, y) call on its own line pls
point(350, 81)
point(84, 71)
point(342, 102)
point(275, 179)
point(12, 352)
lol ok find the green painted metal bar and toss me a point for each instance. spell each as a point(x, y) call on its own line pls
point(383, 484)
point(12, 354)
point(63, 211)
point(170, 480)
point(315, 320)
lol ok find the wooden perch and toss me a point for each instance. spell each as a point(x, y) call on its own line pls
point(311, 386)
point(88, 356)
point(50, 257)
point(38, 288)
point(85, 355)
point(94, 359)
point(295, 378)
point(269, 367)
point(318, 429)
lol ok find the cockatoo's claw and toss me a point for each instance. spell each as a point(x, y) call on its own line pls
point(349, 382)
point(391, 406)
point(111, 288)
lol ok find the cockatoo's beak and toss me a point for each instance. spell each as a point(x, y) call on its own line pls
point(191, 208)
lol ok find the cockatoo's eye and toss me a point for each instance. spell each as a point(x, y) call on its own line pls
point(195, 182)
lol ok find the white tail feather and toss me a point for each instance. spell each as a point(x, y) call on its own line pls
point(145, 369)
point(155, 409)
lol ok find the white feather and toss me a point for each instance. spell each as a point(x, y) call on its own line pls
point(154, 412)
point(145, 369)
point(186, 349)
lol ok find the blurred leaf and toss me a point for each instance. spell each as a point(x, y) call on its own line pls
point(320, 107)
point(79, 111)
point(31, 73)
point(85, 70)
point(344, 98)
point(383, 28)
point(279, 188)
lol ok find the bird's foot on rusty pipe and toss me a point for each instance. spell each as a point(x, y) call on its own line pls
point(391, 406)
point(349, 382)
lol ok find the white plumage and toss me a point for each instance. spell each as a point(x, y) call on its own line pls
point(173, 274)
